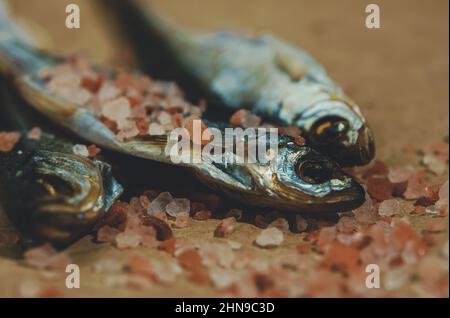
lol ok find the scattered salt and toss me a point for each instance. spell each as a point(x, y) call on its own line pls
point(270, 237)
point(80, 150)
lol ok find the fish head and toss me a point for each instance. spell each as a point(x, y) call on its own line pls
point(64, 195)
point(301, 179)
point(294, 178)
point(337, 128)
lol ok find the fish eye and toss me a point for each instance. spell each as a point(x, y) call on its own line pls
point(314, 171)
point(330, 129)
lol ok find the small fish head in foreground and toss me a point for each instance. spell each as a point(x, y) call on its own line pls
point(66, 196)
point(297, 179)
point(338, 129)
point(309, 181)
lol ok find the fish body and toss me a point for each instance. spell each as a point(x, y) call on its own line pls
point(273, 79)
point(49, 194)
point(297, 178)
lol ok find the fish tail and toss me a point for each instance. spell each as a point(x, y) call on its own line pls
point(16, 49)
point(137, 13)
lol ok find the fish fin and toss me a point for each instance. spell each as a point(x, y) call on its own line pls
point(290, 64)
point(287, 58)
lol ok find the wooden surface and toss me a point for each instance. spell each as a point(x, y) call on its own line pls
point(398, 75)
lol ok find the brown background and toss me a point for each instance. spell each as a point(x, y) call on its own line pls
point(398, 74)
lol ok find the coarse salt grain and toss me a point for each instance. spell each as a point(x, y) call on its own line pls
point(182, 220)
point(434, 164)
point(128, 239)
point(400, 174)
point(117, 109)
point(270, 237)
point(46, 256)
point(155, 129)
point(178, 206)
point(93, 151)
point(80, 150)
point(389, 207)
point(225, 227)
point(8, 140)
point(300, 224)
point(159, 203)
point(35, 133)
point(280, 223)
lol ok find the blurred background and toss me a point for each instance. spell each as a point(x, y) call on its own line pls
point(398, 74)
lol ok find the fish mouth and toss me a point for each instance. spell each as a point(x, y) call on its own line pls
point(339, 200)
point(360, 153)
point(335, 202)
point(366, 145)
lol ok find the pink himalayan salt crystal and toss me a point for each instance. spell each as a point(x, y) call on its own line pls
point(441, 207)
point(202, 215)
point(155, 129)
point(128, 129)
point(148, 236)
point(416, 186)
point(400, 174)
point(64, 77)
point(270, 237)
point(35, 133)
point(144, 201)
point(434, 164)
point(93, 151)
point(116, 109)
point(159, 203)
point(78, 96)
point(164, 118)
point(166, 272)
point(8, 140)
point(234, 245)
point(80, 150)
point(29, 289)
point(107, 234)
point(216, 254)
point(178, 206)
point(300, 224)
point(365, 214)
point(128, 239)
point(46, 256)
point(280, 223)
point(221, 278)
point(245, 118)
point(107, 265)
point(225, 227)
point(346, 225)
point(443, 191)
point(327, 235)
point(389, 207)
point(108, 92)
point(181, 220)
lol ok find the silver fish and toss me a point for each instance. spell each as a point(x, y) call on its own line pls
point(300, 180)
point(266, 75)
point(48, 193)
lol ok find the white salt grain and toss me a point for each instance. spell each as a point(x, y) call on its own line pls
point(270, 237)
